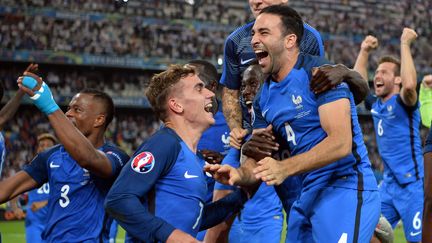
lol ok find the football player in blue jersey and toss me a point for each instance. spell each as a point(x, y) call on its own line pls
point(160, 194)
point(396, 116)
point(238, 55)
point(36, 213)
point(214, 142)
point(339, 201)
point(261, 219)
point(427, 215)
point(79, 171)
point(6, 113)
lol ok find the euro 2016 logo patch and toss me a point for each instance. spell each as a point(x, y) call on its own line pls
point(143, 162)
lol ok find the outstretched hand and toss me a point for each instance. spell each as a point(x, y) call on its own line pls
point(223, 174)
point(270, 171)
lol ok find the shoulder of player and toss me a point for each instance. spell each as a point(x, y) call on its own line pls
point(307, 61)
point(165, 140)
point(241, 31)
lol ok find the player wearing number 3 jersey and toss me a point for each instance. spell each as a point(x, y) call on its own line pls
point(79, 171)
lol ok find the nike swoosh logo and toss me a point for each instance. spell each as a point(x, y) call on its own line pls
point(187, 176)
point(264, 112)
point(414, 234)
point(374, 111)
point(243, 62)
point(52, 165)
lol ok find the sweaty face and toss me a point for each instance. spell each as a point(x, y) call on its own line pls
point(257, 5)
point(384, 80)
point(44, 144)
point(268, 43)
point(196, 101)
point(83, 111)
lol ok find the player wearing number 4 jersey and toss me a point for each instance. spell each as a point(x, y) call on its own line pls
point(80, 171)
point(397, 120)
point(339, 201)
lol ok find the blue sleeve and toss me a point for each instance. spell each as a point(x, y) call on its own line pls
point(117, 158)
point(339, 92)
point(217, 212)
point(231, 68)
point(369, 101)
point(233, 159)
point(428, 143)
point(126, 200)
point(311, 42)
point(409, 109)
point(258, 120)
point(38, 167)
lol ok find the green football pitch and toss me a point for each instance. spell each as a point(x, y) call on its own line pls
point(13, 232)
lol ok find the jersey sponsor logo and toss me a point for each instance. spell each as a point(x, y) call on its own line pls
point(143, 162)
point(243, 62)
point(52, 165)
point(415, 233)
point(187, 176)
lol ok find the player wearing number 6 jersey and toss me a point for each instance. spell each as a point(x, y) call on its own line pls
point(80, 171)
point(396, 119)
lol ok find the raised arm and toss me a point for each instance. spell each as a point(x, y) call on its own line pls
point(9, 110)
point(361, 65)
point(408, 71)
point(77, 145)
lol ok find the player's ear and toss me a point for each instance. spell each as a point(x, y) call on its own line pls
point(100, 120)
point(175, 106)
point(398, 80)
point(290, 41)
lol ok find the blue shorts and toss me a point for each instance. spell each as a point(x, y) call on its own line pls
point(404, 203)
point(334, 214)
point(268, 231)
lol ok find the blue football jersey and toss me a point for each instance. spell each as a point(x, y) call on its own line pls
point(75, 204)
point(2, 152)
point(169, 180)
point(238, 52)
point(37, 195)
point(398, 138)
point(264, 205)
point(292, 109)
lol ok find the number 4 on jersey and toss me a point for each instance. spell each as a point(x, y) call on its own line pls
point(290, 133)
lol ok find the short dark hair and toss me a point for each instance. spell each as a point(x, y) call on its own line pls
point(161, 86)
point(207, 72)
point(393, 60)
point(292, 22)
point(106, 100)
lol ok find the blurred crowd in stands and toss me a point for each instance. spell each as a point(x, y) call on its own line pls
point(174, 29)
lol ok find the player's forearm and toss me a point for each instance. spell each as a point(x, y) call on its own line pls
point(358, 86)
point(15, 185)
point(231, 108)
point(329, 150)
point(246, 173)
point(361, 64)
point(78, 146)
point(130, 213)
point(9, 110)
point(408, 75)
